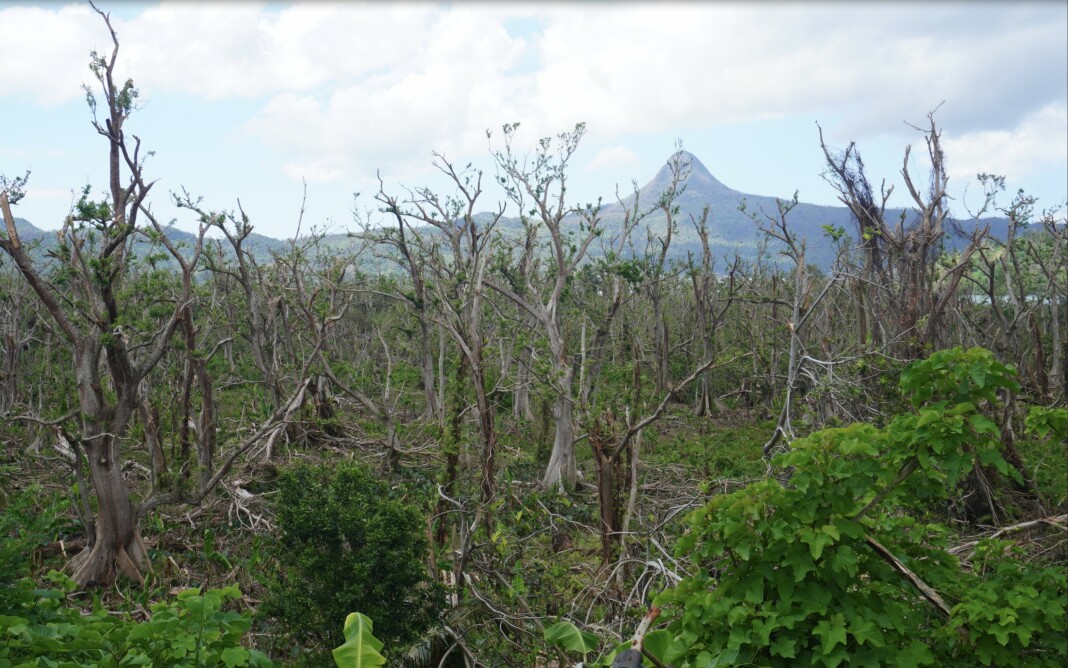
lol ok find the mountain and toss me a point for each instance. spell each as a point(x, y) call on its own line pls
point(27, 232)
point(731, 231)
point(45, 240)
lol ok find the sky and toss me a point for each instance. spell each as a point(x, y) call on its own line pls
point(247, 101)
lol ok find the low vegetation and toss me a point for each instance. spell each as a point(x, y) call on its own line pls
point(531, 440)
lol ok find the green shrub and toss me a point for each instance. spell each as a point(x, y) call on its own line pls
point(1045, 450)
point(810, 571)
point(193, 630)
point(29, 519)
point(348, 542)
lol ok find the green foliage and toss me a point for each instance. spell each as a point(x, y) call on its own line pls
point(565, 635)
point(193, 630)
point(956, 376)
point(347, 541)
point(361, 648)
point(949, 434)
point(31, 518)
point(1045, 422)
point(790, 574)
point(1046, 452)
point(1014, 610)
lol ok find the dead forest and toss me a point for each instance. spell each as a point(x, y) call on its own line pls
point(512, 432)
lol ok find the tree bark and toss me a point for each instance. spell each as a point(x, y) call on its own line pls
point(117, 545)
point(521, 397)
point(562, 471)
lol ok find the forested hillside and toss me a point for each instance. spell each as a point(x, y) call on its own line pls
point(553, 433)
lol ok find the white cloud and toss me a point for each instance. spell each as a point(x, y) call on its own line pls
point(638, 67)
point(445, 101)
point(614, 159)
point(318, 170)
point(347, 88)
point(45, 53)
point(1040, 140)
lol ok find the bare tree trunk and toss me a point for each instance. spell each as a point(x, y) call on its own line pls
point(451, 450)
point(150, 417)
point(1039, 357)
point(441, 376)
point(521, 396)
point(426, 367)
point(8, 377)
point(662, 347)
point(206, 419)
point(117, 546)
point(488, 455)
point(1060, 346)
point(562, 471)
point(610, 478)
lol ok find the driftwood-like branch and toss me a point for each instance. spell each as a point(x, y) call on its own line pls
point(632, 658)
point(9, 222)
point(1060, 521)
point(276, 421)
point(928, 592)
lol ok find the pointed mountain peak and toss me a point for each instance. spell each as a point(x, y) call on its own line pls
point(699, 179)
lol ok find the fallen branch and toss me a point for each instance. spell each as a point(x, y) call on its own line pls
point(925, 589)
point(1060, 521)
point(277, 421)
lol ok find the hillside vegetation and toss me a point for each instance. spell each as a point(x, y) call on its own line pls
point(687, 428)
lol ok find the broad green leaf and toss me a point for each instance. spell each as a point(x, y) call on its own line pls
point(927, 417)
point(866, 632)
point(361, 648)
point(663, 646)
point(831, 530)
point(983, 425)
point(234, 656)
point(832, 632)
point(784, 647)
point(726, 658)
point(567, 636)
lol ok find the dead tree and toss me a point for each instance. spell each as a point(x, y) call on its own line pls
point(92, 324)
point(541, 185)
point(709, 308)
point(456, 258)
point(804, 303)
point(243, 268)
point(621, 276)
point(406, 256)
point(657, 247)
point(1016, 279)
point(18, 330)
point(113, 350)
point(900, 285)
point(608, 449)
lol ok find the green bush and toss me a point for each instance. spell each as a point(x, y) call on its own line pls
point(29, 519)
point(348, 542)
point(811, 571)
point(191, 631)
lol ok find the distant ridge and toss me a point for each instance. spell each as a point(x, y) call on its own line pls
point(731, 231)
